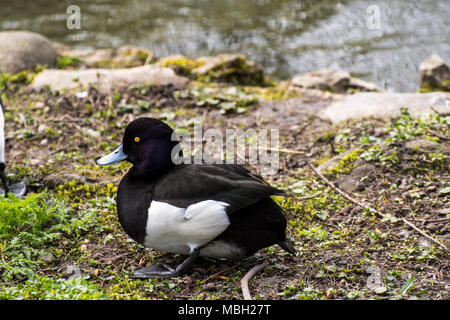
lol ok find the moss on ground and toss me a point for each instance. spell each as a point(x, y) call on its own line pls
point(344, 252)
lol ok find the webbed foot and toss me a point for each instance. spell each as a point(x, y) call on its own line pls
point(17, 189)
point(161, 270)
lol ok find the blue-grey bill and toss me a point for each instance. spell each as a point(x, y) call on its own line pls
point(115, 156)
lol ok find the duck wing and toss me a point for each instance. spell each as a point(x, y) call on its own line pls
point(233, 184)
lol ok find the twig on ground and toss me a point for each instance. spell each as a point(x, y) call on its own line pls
point(248, 276)
point(302, 129)
point(441, 114)
point(382, 215)
point(283, 150)
point(308, 197)
point(430, 220)
point(441, 137)
point(222, 271)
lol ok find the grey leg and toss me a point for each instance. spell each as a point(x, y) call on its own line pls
point(18, 189)
point(160, 270)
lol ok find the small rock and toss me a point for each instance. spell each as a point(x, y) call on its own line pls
point(42, 127)
point(333, 80)
point(72, 272)
point(187, 280)
point(232, 68)
point(91, 132)
point(209, 287)
point(433, 226)
point(434, 74)
point(443, 211)
point(422, 242)
point(354, 180)
point(40, 104)
point(82, 94)
point(47, 258)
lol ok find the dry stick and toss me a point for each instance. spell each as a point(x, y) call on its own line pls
point(441, 114)
point(222, 271)
point(283, 150)
point(349, 198)
point(248, 276)
point(434, 133)
point(308, 197)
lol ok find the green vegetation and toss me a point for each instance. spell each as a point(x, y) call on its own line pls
point(43, 288)
point(68, 220)
point(181, 65)
point(65, 62)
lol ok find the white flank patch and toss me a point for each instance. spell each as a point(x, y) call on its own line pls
point(2, 135)
point(180, 230)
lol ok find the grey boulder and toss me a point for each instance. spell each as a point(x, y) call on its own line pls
point(22, 50)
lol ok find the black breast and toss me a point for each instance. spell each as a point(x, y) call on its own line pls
point(133, 200)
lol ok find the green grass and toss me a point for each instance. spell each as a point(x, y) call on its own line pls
point(29, 215)
point(75, 222)
point(67, 61)
point(43, 288)
point(26, 227)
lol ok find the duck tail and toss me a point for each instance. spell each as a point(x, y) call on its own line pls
point(288, 246)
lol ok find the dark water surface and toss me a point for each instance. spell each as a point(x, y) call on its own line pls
point(287, 37)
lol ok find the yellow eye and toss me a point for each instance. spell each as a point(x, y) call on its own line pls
point(137, 139)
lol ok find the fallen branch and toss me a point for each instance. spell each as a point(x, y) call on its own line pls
point(441, 137)
point(308, 197)
point(430, 220)
point(382, 215)
point(283, 150)
point(441, 114)
point(222, 271)
point(248, 276)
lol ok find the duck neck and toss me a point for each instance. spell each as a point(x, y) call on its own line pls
point(133, 200)
point(157, 161)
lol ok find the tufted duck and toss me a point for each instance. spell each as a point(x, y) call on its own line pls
point(210, 210)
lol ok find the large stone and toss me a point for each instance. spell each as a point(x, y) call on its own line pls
point(21, 50)
point(122, 57)
point(106, 79)
point(434, 74)
point(232, 68)
point(427, 146)
point(385, 105)
point(332, 80)
point(181, 64)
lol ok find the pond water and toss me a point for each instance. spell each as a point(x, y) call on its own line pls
point(287, 37)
